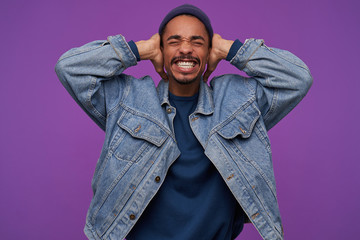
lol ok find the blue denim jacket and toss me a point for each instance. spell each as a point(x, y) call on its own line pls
point(231, 122)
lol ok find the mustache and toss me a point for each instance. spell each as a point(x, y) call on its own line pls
point(185, 57)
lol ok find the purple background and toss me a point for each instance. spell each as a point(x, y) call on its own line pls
point(49, 147)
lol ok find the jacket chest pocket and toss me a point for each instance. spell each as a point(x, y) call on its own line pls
point(241, 125)
point(136, 137)
point(244, 135)
point(244, 138)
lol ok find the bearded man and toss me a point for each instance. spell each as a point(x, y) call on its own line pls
point(184, 160)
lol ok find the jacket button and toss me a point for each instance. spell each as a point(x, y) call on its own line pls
point(194, 119)
point(137, 129)
point(132, 217)
point(255, 215)
point(242, 130)
point(157, 179)
point(169, 110)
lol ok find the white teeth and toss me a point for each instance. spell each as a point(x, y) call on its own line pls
point(185, 64)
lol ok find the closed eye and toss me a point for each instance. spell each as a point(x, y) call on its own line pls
point(197, 43)
point(173, 43)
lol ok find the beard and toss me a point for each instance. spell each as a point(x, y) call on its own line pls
point(185, 81)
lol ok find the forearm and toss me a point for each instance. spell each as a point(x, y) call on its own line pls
point(283, 79)
point(99, 58)
point(83, 71)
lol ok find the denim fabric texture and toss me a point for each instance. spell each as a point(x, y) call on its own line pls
point(231, 121)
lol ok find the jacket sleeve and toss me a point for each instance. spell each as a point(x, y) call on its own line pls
point(282, 79)
point(93, 71)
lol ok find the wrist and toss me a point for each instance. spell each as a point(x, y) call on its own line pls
point(134, 49)
point(148, 49)
point(234, 49)
point(223, 47)
point(144, 50)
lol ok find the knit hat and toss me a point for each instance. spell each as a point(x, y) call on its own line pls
point(189, 10)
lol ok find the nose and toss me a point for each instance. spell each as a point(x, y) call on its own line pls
point(185, 47)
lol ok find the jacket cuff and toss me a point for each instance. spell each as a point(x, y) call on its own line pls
point(234, 49)
point(243, 55)
point(134, 49)
point(123, 50)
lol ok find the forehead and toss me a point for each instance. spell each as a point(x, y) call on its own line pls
point(185, 26)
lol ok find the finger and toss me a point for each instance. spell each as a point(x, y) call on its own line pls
point(159, 68)
point(206, 75)
point(210, 69)
point(162, 73)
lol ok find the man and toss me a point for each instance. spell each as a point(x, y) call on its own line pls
point(183, 160)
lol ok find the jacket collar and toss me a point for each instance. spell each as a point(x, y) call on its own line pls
point(205, 103)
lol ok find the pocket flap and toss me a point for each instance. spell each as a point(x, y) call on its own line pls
point(242, 124)
point(143, 128)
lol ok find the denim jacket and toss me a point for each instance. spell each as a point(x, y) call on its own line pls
point(230, 122)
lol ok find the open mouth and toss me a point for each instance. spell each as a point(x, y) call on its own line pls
point(186, 63)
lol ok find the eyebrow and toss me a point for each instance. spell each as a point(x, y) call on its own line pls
point(178, 37)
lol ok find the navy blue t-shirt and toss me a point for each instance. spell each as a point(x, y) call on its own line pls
point(194, 202)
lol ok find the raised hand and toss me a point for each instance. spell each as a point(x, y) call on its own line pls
point(220, 49)
point(150, 50)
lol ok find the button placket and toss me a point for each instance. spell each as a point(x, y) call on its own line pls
point(171, 111)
